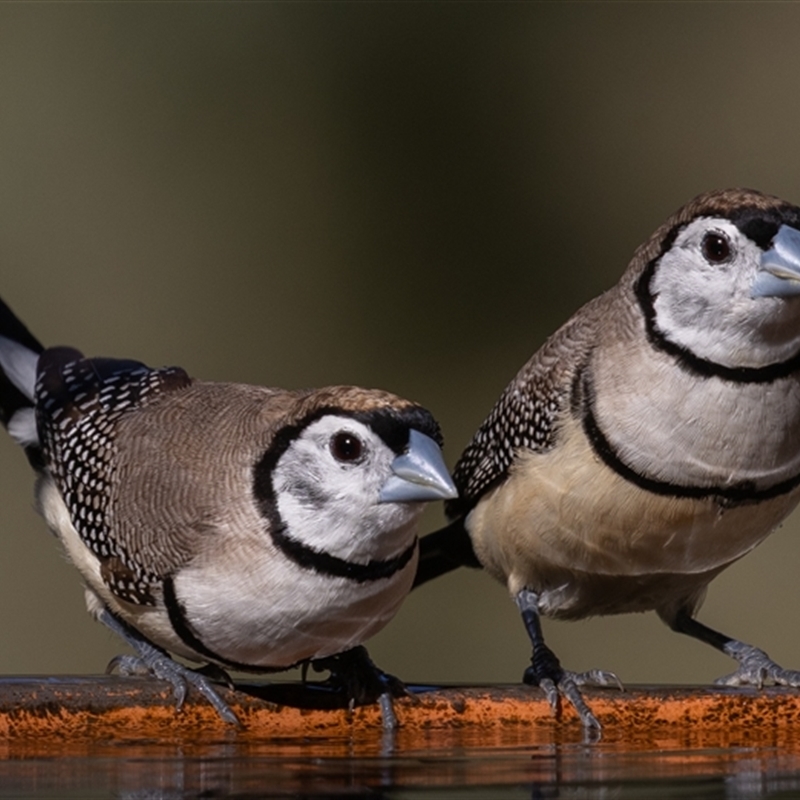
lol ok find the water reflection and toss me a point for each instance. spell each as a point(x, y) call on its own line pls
point(517, 763)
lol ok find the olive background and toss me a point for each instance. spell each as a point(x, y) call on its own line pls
point(401, 195)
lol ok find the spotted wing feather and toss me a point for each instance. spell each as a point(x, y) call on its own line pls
point(79, 405)
point(527, 415)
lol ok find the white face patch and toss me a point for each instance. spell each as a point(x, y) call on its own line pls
point(327, 486)
point(702, 289)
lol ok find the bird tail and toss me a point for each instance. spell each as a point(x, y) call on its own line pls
point(19, 355)
point(443, 551)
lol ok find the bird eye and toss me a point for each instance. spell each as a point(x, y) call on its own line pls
point(716, 248)
point(346, 447)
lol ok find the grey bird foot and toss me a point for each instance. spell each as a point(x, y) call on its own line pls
point(756, 668)
point(161, 666)
point(546, 672)
point(355, 675)
point(152, 660)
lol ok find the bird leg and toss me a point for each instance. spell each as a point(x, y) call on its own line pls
point(755, 667)
point(354, 673)
point(152, 660)
point(546, 670)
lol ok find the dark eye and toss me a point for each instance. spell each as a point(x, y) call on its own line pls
point(346, 447)
point(716, 248)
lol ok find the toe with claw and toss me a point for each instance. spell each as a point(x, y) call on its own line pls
point(162, 667)
point(154, 661)
point(756, 668)
point(355, 675)
point(546, 672)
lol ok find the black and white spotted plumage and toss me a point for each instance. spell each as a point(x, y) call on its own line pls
point(79, 403)
point(652, 441)
point(524, 418)
point(250, 527)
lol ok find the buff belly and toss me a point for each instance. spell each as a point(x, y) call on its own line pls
point(589, 542)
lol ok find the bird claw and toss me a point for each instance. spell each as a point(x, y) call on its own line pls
point(388, 716)
point(162, 667)
point(756, 668)
point(597, 677)
point(151, 660)
point(128, 666)
point(567, 687)
point(354, 673)
point(566, 684)
point(550, 689)
point(203, 685)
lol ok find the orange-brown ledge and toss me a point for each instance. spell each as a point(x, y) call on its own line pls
point(113, 708)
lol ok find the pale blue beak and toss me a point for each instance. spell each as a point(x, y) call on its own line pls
point(419, 474)
point(779, 272)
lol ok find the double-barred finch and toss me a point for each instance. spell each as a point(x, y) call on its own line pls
point(247, 527)
point(651, 442)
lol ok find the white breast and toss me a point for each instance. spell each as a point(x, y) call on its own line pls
point(675, 426)
point(264, 610)
point(253, 606)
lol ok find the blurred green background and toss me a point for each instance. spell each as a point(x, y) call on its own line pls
point(400, 195)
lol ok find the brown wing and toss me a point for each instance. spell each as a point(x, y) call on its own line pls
point(80, 404)
point(184, 476)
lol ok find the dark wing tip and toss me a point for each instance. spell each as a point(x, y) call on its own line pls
point(12, 328)
point(69, 383)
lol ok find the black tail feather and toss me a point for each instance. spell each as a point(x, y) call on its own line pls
point(12, 399)
point(443, 551)
point(12, 328)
